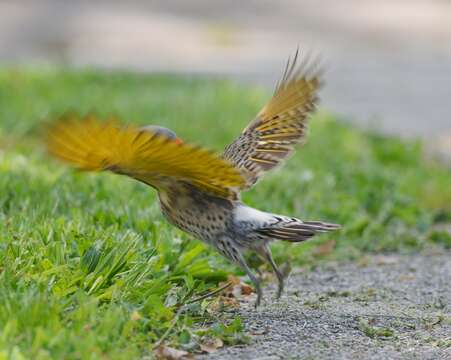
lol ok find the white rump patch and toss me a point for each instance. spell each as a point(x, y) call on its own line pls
point(246, 213)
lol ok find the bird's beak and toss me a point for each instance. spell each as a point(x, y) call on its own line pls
point(178, 141)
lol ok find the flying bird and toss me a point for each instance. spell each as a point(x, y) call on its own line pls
point(199, 190)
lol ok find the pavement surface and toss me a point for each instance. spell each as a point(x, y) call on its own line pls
point(388, 62)
point(386, 307)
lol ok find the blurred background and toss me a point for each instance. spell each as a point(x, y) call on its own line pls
point(388, 61)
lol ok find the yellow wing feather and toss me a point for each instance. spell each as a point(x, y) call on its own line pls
point(93, 145)
point(281, 124)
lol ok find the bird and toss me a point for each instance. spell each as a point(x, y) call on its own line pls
point(199, 189)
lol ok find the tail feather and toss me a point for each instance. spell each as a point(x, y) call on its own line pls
point(294, 230)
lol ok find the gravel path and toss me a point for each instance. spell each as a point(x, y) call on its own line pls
point(391, 307)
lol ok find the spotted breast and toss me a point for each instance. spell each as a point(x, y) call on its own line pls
point(204, 216)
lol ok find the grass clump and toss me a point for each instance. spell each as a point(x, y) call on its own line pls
point(373, 331)
point(88, 266)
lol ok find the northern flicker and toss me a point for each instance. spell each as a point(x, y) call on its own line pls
point(199, 190)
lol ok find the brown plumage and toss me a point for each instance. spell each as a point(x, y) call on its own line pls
point(199, 190)
point(271, 137)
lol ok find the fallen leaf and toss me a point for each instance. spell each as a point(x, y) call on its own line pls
point(234, 280)
point(135, 316)
point(363, 262)
point(237, 289)
point(211, 345)
point(326, 248)
point(259, 331)
point(386, 260)
point(167, 353)
point(222, 302)
point(246, 289)
point(406, 277)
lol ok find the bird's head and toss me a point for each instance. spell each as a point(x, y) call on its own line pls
point(160, 130)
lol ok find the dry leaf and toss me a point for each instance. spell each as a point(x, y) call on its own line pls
point(234, 280)
point(386, 260)
point(406, 277)
point(326, 248)
point(223, 301)
point(237, 289)
point(167, 353)
point(135, 316)
point(211, 345)
point(259, 331)
point(364, 261)
point(246, 289)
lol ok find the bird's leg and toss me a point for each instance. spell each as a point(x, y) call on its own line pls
point(266, 253)
point(253, 278)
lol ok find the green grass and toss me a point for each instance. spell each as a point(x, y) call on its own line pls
point(90, 269)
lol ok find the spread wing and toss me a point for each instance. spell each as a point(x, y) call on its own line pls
point(280, 125)
point(90, 144)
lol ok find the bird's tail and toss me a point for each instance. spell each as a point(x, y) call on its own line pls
point(295, 230)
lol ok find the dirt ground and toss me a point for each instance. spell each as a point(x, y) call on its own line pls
point(385, 307)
